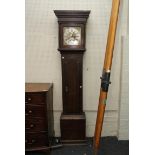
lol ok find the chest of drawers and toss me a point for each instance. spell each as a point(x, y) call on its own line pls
point(39, 128)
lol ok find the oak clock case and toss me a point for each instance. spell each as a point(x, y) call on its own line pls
point(72, 26)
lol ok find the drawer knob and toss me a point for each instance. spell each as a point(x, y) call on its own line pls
point(30, 111)
point(31, 125)
point(33, 141)
point(66, 89)
point(29, 99)
point(80, 86)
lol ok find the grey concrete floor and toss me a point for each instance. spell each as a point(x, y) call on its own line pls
point(109, 146)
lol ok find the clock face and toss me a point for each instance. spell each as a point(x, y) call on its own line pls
point(72, 35)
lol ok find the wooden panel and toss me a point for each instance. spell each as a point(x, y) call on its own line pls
point(35, 98)
point(35, 111)
point(36, 124)
point(37, 87)
point(73, 127)
point(36, 140)
point(72, 83)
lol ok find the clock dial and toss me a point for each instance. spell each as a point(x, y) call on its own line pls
point(72, 35)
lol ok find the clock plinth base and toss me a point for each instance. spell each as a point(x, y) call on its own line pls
point(73, 129)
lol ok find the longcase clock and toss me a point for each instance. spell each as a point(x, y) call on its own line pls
point(72, 36)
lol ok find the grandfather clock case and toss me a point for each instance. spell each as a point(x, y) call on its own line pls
point(72, 36)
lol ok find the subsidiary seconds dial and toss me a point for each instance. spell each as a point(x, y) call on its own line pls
point(72, 36)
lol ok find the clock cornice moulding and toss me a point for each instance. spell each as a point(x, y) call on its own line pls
point(72, 15)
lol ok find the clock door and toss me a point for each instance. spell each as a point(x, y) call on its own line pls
point(72, 83)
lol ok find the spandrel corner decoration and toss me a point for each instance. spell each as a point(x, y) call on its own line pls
point(72, 36)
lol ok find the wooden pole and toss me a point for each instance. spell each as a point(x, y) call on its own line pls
point(105, 80)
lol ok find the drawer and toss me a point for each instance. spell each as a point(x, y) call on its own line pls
point(33, 140)
point(35, 98)
point(35, 111)
point(35, 124)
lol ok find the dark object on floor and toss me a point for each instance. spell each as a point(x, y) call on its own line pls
point(109, 146)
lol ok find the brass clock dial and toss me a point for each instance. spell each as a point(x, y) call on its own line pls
point(72, 36)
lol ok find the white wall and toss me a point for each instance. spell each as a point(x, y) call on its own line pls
point(43, 63)
point(123, 121)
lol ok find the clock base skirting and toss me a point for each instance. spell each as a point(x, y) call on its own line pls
point(73, 142)
point(73, 129)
